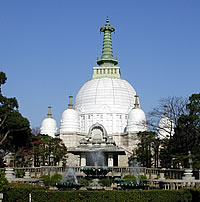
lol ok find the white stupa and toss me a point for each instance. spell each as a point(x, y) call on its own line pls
point(70, 119)
point(136, 118)
point(165, 126)
point(49, 126)
point(103, 107)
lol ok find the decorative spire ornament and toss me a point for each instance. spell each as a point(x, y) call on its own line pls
point(107, 52)
point(165, 112)
point(70, 105)
point(136, 105)
point(49, 112)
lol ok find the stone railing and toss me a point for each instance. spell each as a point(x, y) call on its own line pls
point(43, 170)
point(150, 173)
point(173, 184)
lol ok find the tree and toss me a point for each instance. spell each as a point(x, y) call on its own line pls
point(176, 106)
point(165, 153)
point(14, 128)
point(51, 150)
point(147, 148)
point(59, 150)
point(171, 108)
point(187, 133)
point(3, 79)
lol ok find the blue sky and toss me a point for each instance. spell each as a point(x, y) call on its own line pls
point(48, 49)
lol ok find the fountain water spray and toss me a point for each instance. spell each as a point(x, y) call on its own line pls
point(69, 181)
point(96, 159)
point(69, 175)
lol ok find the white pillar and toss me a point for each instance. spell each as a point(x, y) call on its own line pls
point(83, 159)
point(110, 160)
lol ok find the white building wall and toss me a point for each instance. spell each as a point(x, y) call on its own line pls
point(113, 123)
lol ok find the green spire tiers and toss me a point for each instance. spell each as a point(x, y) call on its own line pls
point(107, 52)
point(107, 65)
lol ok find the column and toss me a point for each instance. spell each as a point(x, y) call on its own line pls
point(83, 159)
point(110, 160)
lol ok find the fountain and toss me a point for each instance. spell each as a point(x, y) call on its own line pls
point(97, 170)
point(122, 185)
point(69, 181)
point(132, 184)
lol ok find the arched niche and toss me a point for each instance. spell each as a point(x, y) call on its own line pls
point(97, 132)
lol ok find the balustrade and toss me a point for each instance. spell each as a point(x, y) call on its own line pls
point(150, 173)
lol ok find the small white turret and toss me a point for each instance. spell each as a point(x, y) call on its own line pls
point(165, 126)
point(70, 119)
point(49, 126)
point(136, 118)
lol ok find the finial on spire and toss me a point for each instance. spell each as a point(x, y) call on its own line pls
point(165, 111)
point(136, 105)
point(107, 52)
point(49, 112)
point(70, 105)
point(107, 20)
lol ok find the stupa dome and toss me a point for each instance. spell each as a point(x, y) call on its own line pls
point(49, 126)
point(165, 126)
point(136, 118)
point(100, 95)
point(70, 119)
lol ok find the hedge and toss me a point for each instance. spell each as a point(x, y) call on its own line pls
point(92, 196)
point(20, 192)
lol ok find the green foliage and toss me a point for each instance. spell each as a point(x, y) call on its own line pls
point(3, 78)
point(56, 177)
point(15, 130)
point(3, 182)
point(83, 181)
point(166, 154)
point(91, 196)
point(50, 181)
point(20, 173)
point(187, 134)
point(143, 177)
point(20, 192)
point(106, 182)
point(129, 178)
point(52, 148)
point(46, 179)
point(148, 143)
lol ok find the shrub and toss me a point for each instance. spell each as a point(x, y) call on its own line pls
point(142, 177)
point(50, 181)
point(20, 173)
point(46, 179)
point(20, 192)
point(138, 196)
point(3, 182)
point(129, 178)
point(106, 182)
point(39, 195)
point(25, 186)
point(56, 178)
point(83, 181)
